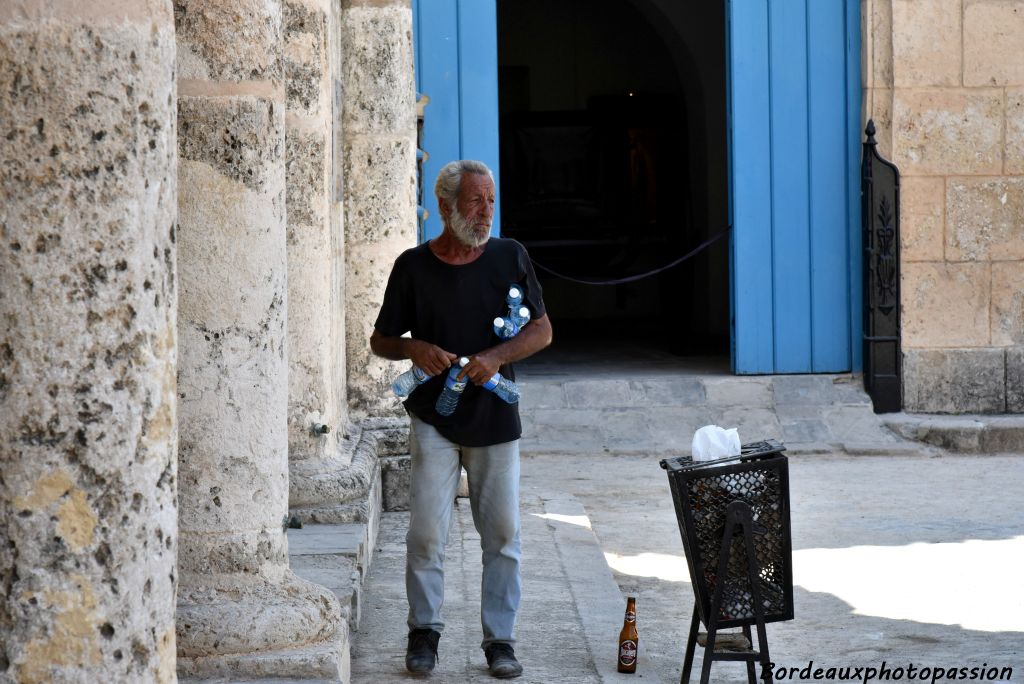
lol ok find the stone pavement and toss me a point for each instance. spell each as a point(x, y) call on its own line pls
point(903, 560)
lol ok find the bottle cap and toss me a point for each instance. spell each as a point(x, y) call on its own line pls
point(513, 292)
point(463, 361)
point(524, 312)
point(499, 322)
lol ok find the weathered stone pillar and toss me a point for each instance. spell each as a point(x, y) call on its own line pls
point(241, 611)
point(320, 487)
point(315, 243)
point(87, 341)
point(379, 178)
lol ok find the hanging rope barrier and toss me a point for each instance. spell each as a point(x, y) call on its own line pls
point(629, 279)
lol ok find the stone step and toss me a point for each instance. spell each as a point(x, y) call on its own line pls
point(657, 413)
point(324, 662)
point(338, 557)
point(965, 433)
point(335, 556)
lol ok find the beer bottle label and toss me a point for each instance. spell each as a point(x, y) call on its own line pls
point(627, 652)
point(630, 616)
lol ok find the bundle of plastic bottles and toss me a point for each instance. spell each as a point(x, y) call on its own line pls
point(505, 328)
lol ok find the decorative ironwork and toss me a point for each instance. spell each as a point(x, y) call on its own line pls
point(880, 198)
point(885, 258)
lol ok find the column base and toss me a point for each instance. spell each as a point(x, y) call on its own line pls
point(325, 662)
point(260, 629)
point(347, 488)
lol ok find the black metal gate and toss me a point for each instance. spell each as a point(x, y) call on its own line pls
point(880, 198)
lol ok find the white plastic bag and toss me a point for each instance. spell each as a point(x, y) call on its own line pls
point(711, 442)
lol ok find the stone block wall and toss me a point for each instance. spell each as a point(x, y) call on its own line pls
point(944, 82)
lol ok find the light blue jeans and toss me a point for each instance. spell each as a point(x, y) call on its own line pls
point(494, 499)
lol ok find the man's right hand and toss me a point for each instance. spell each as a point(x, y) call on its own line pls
point(429, 357)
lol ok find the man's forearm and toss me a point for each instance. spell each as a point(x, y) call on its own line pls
point(429, 358)
point(390, 348)
point(534, 336)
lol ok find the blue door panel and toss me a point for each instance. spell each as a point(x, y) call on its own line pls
point(751, 191)
point(478, 85)
point(457, 59)
point(438, 79)
point(853, 146)
point(790, 220)
point(794, 100)
point(829, 253)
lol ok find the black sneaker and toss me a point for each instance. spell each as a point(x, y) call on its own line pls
point(421, 656)
point(501, 661)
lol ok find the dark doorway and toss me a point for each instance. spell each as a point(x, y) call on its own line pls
point(613, 148)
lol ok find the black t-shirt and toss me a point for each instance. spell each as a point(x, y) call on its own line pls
point(454, 307)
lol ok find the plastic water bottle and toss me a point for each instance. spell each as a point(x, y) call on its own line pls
point(405, 383)
point(505, 328)
point(521, 317)
point(503, 387)
point(453, 388)
point(514, 298)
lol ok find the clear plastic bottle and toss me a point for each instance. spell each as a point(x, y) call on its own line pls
point(405, 383)
point(503, 387)
point(514, 298)
point(453, 388)
point(520, 316)
point(505, 328)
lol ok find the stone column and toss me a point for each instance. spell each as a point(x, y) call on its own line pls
point(87, 341)
point(321, 488)
point(314, 300)
point(380, 181)
point(241, 611)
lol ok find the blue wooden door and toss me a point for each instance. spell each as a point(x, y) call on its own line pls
point(794, 102)
point(456, 54)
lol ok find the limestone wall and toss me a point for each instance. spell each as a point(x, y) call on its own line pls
point(944, 81)
point(88, 529)
point(379, 153)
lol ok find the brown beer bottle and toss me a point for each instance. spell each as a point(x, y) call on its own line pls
point(629, 641)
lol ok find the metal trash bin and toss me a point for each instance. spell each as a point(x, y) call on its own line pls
point(738, 506)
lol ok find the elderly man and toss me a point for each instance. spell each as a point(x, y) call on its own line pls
point(446, 293)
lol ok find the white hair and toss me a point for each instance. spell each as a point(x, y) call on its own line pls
point(449, 180)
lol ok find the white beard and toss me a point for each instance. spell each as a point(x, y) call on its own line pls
point(463, 231)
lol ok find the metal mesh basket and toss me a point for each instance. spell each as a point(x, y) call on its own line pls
point(701, 492)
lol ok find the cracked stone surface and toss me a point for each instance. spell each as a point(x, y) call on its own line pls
point(87, 344)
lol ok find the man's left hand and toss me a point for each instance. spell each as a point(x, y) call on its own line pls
point(481, 367)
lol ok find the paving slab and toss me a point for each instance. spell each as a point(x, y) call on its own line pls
point(571, 608)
